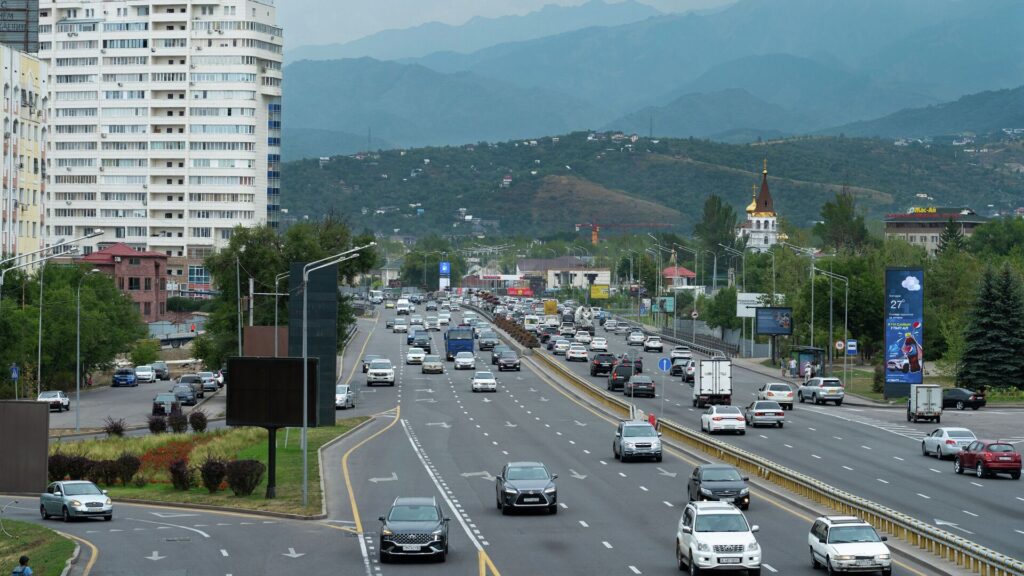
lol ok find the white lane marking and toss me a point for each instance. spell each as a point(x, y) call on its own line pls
point(1019, 531)
point(848, 468)
point(1019, 498)
point(924, 496)
point(978, 485)
point(838, 437)
point(787, 445)
point(505, 452)
point(762, 436)
point(882, 481)
point(603, 462)
point(196, 530)
point(812, 429)
point(667, 503)
point(559, 433)
point(572, 442)
point(898, 458)
point(644, 488)
point(936, 471)
point(635, 570)
point(815, 456)
point(223, 552)
point(609, 546)
point(584, 524)
point(969, 513)
point(865, 447)
point(769, 567)
point(564, 507)
point(621, 474)
point(585, 451)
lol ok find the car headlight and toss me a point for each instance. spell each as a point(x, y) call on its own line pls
point(702, 547)
point(744, 492)
point(630, 444)
point(108, 502)
point(386, 532)
point(883, 557)
point(76, 503)
point(753, 547)
point(706, 492)
point(511, 491)
point(438, 532)
point(844, 557)
point(550, 490)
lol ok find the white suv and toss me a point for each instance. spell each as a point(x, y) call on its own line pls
point(848, 544)
point(653, 343)
point(716, 536)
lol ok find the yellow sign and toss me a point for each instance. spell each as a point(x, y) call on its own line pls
point(599, 292)
point(928, 210)
point(550, 307)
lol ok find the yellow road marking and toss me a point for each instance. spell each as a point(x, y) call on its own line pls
point(362, 351)
point(94, 553)
point(486, 564)
point(344, 469)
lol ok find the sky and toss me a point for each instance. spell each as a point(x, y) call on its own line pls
point(336, 21)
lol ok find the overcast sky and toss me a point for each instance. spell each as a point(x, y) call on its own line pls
point(329, 21)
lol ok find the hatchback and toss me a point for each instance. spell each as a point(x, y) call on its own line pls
point(988, 458)
point(73, 499)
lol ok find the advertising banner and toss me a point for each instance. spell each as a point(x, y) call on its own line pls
point(666, 304)
point(19, 25)
point(599, 292)
point(773, 321)
point(904, 330)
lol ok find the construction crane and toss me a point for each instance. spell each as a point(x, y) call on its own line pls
point(595, 228)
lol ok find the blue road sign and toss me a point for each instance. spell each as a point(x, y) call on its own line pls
point(14, 372)
point(664, 364)
point(851, 347)
point(445, 268)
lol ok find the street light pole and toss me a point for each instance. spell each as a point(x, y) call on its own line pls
point(78, 347)
point(277, 279)
point(238, 297)
point(846, 306)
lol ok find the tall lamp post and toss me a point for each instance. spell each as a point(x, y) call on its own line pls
point(807, 252)
point(846, 307)
point(78, 346)
point(277, 279)
point(743, 264)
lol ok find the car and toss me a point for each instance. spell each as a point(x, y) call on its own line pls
point(720, 482)
point(610, 325)
point(208, 382)
point(431, 305)
point(185, 394)
point(465, 361)
point(988, 458)
point(483, 381)
point(716, 536)
point(635, 338)
point(599, 343)
point(413, 527)
point(653, 343)
point(946, 441)
point(639, 385)
point(766, 412)
point(961, 398)
point(381, 371)
point(637, 363)
point(389, 304)
point(422, 340)
point(366, 361)
point(145, 373)
point(389, 323)
point(690, 372)
point(567, 329)
point(400, 325)
point(444, 320)
point(195, 381)
point(344, 397)
point(410, 336)
point(415, 356)
point(222, 377)
point(636, 439)
point(601, 363)
point(561, 347)
point(73, 499)
point(497, 351)
point(416, 321)
point(622, 328)
point(56, 399)
point(544, 333)
point(124, 377)
point(488, 340)
point(432, 323)
point(848, 544)
point(679, 366)
point(618, 376)
point(526, 485)
point(821, 390)
point(576, 352)
point(718, 418)
point(582, 336)
point(680, 352)
point(432, 365)
point(165, 404)
point(777, 391)
point(161, 371)
point(509, 361)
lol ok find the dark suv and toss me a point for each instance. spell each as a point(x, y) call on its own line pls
point(618, 376)
point(160, 368)
point(414, 527)
point(546, 332)
point(422, 341)
point(637, 363)
point(602, 363)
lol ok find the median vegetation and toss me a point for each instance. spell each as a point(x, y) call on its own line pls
point(222, 467)
point(48, 550)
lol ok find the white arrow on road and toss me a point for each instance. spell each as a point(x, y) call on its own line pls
point(427, 390)
point(664, 472)
point(577, 475)
point(170, 515)
point(952, 525)
point(510, 425)
point(427, 400)
point(485, 475)
point(578, 423)
point(543, 399)
point(155, 556)
point(487, 400)
point(392, 478)
point(441, 424)
point(293, 554)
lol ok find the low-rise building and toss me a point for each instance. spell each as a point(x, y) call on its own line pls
point(140, 275)
point(922, 226)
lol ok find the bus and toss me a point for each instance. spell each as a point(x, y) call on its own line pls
point(458, 339)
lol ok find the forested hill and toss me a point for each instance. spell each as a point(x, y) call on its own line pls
point(577, 178)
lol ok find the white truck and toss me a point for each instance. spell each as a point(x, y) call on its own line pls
point(925, 403)
point(585, 319)
point(714, 383)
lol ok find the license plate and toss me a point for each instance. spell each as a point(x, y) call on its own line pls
point(729, 560)
point(410, 548)
point(864, 563)
point(1005, 458)
point(531, 499)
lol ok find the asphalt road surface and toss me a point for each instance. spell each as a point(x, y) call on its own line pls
point(133, 404)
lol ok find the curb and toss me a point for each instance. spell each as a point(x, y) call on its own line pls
point(74, 555)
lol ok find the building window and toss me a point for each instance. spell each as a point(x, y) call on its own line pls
point(147, 308)
point(120, 283)
point(148, 283)
point(135, 261)
point(133, 284)
point(198, 275)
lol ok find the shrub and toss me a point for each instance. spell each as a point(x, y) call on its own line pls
point(878, 383)
point(178, 423)
point(157, 423)
point(57, 467)
point(182, 477)
point(213, 472)
point(140, 481)
point(114, 427)
point(77, 466)
point(127, 466)
point(244, 476)
point(198, 420)
point(145, 352)
point(107, 471)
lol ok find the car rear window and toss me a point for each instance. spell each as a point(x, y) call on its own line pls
point(767, 406)
point(959, 434)
point(1000, 448)
point(728, 410)
point(780, 388)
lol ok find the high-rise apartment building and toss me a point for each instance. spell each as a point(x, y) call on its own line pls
point(166, 124)
point(23, 163)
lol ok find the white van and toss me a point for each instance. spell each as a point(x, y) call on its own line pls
point(531, 322)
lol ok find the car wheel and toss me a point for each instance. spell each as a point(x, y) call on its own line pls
point(65, 515)
point(694, 569)
point(43, 513)
point(780, 424)
point(975, 407)
point(553, 509)
point(384, 557)
point(800, 397)
point(829, 568)
point(957, 466)
point(743, 432)
point(1015, 475)
point(680, 563)
point(814, 561)
point(108, 517)
point(938, 452)
point(814, 399)
point(979, 471)
point(754, 572)
point(657, 458)
point(960, 405)
point(924, 450)
point(839, 402)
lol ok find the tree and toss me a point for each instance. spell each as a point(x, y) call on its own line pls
point(994, 343)
point(842, 227)
point(952, 238)
point(145, 352)
point(720, 311)
point(717, 225)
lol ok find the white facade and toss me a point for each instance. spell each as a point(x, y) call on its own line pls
point(165, 123)
point(576, 277)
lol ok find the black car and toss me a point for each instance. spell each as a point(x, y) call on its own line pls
point(508, 361)
point(637, 363)
point(602, 363)
point(161, 371)
point(544, 333)
point(639, 385)
point(165, 404)
point(618, 376)
point(526, 485)
point(961, 398)
point(497, 351)
point(488, 340)
point(366, 361)
point(719, 482)
point(422, 340)
point(185, 394)
point(413, 527)
point(679, 367)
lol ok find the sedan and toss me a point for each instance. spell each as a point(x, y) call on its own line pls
point(413, 527)
point(988, 458)
point(415, 356)
point(961, 398)
point(184, 394)
point(73, 499)
point(166, 404)
point(577, 352)
point(209, 382)
point(777, 391)
point(946, 441)
point(56, 399)
point(145, 373)
point(389, 323)
point(509, 361)
point(432, 365)
point(599, 343)
point(432, 323)
point(400, 325)
point(561, 347)
point(526, 485)
point(465, 361)
point(635, 339)
point(344, 397)
point(484, 382)
point(767, 412)
point(719, 418)
point(610, 325)
point(582, 336)
point(639, 385)
point(718, 482)
point(497, 351)
point(366, 361)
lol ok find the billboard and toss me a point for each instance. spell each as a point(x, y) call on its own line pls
point(444, 268)
point(19, 25)
point(773, 321)
point(666, 304)
point(322, 329)
point(524, 291)
point(267, 392)
point(599, 292)
point(904, 329)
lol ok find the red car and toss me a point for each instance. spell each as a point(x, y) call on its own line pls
point(989, 457)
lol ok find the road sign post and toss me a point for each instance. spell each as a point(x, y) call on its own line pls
point(693, 326)
point(664, 364)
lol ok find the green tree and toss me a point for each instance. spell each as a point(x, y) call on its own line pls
point(842, 228)
point(994, 343)
point(998, 237)
point(952, 238)
point(720, 310)
point(717, 225)
point(145, 352)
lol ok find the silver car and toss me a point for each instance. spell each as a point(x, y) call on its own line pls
point(561, 347)
point(344, 397)
point(432, 364)
point(73, 499)
point(822, 390)
point(765, 412)
point(635, 339)
point(946, 441)
point(465, 361)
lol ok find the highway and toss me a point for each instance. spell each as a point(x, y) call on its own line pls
point(133, 404)
point(871, 452)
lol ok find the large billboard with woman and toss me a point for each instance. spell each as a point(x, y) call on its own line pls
point(904, 330)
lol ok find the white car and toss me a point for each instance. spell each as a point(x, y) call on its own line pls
point(778, 391)
point(599, 344)
point(582, 336)
point(946, 441)
point(848, 544)
point(653, 343)
point(400, 326)
point(716, 535)
point(56, 399)
point(145, 374)
point(432, 323)
point(560, 347)
point(465, 361)
point(680, 352)
point(380, 370)
point(576, 352)
point(484, 382)
point(609, 325)
point(344, 397)
point(415, 356)
point(444, 319)
point(635, 338)
point(723, 418)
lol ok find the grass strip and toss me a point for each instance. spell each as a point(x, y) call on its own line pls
point(48, 551)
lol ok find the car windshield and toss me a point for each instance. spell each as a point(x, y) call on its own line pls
point(83, 489)
point(415, 350)
point(431, 358)
point(413, 514)
point(847, 534)
point(959, 433)
point(370, 358)
point(124, 371)
point(380, 364)
point(341, 389)
point(527, 473)
point(484, 376)
point(1000, 448)
point(641, 379)
point(720, 475)
point(767, 406)
point(49, 394)
point(144, 368)
point(509, 355)
point(638, 431)
point(721, 523)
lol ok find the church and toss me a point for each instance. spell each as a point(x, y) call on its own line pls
point(761, 229)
